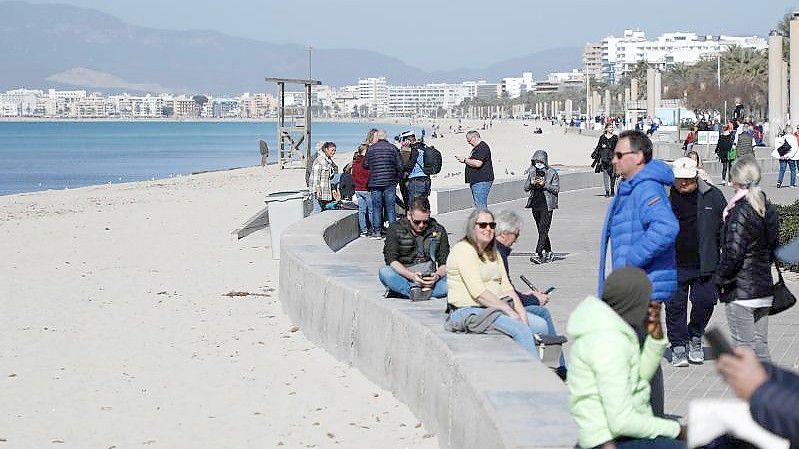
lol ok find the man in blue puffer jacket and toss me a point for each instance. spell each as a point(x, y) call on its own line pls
point(641, 227)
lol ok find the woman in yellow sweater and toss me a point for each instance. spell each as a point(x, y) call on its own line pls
point(477, 280)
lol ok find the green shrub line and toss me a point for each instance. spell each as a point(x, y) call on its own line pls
point(789, 227)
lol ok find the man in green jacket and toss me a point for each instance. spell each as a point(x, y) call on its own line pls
point(416, 252)
point(609, 371)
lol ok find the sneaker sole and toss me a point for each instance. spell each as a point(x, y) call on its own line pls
point(681, 364)
point(696, 361)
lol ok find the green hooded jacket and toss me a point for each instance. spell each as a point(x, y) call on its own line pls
point(609, 377)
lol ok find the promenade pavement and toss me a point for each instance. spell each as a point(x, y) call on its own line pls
point(575, 232)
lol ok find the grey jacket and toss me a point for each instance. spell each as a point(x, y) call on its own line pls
point(551, 182)
point(474, 323)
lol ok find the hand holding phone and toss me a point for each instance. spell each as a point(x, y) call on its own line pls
point(718, 342)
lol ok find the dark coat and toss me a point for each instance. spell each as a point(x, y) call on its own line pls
point(724, 146)
point(603, 153)
point(773, 404)
point(401, 242)
point(710, 204)
point(747, 245)
point(384, 164)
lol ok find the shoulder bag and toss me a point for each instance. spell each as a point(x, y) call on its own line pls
point(783, 298)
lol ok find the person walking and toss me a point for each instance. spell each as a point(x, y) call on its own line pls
point(698, 207)
point(749, 238)
point(723, 147)
point(744, 142)
point(322, 172)
point(479, 171)
point(543, 183)
point(360, 179)
point(640, 226)
point(385, 169)
point(788, 156)
point(603, 158)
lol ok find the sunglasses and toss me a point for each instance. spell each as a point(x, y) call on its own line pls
point(619, 155)
point(484, 224)
point(420, 222)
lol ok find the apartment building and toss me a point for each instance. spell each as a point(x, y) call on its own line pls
point(620, 55)
point(515, 87)
point(592, 60)
point(375, 93)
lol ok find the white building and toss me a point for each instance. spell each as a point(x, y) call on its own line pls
point(375, 93)
point(226, 108)
point(426, 100)
point(620, 55)
point(515, 87)
point(482, 89)
point(23, 102)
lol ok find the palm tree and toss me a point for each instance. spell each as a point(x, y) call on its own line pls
point(784, 27)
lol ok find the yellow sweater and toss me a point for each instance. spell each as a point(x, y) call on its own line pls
point(468, 276)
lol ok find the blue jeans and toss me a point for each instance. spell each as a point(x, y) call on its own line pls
point(418, 187)
point(383, 196)
point(521, 334)
point(646, 443)
point(398, 284)
point(317, 208)
point(364, 209)
point(791, 164)
point(703, 296)
point(480, 194)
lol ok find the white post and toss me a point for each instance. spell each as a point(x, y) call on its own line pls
point(774, 84)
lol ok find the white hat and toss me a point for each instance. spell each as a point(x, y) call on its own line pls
point(684, 168)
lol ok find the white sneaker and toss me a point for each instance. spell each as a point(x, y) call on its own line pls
point(678, 358)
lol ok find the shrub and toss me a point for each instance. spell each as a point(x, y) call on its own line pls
point(789, 226)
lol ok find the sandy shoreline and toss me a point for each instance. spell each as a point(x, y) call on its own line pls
point(120, 333)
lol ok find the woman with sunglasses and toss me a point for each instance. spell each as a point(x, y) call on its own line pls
point(478, 285)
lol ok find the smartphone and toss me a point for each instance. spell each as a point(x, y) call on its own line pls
point(427, 275)
point(718, 342)
point(550, 290)
point(529, 284)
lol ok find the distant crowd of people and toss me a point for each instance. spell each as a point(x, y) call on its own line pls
point(674, 240)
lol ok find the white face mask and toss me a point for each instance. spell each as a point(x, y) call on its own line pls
point(539, 165)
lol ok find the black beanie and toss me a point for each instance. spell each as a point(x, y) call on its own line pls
point(628, 292)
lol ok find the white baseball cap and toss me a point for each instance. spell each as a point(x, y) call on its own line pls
point(684, 168)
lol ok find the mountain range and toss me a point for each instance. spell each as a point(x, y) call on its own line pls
point(63, 46)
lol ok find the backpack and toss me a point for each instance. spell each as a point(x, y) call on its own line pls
point(432, 161)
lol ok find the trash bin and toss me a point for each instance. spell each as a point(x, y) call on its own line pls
point(284, 208)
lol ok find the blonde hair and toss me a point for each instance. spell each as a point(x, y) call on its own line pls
point(746, 173)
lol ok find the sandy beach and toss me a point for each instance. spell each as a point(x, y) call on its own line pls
point(136, 319)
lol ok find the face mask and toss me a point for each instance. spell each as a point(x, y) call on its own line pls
point(539, 165)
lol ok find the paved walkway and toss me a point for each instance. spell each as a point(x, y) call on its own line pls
point(575, 233)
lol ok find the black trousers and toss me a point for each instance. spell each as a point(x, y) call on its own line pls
point(543, 221)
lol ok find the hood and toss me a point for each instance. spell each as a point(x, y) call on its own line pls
point(541, 155)
point(656, 170)
point(593, 315)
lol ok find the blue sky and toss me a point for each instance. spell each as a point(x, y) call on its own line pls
point(437, 35)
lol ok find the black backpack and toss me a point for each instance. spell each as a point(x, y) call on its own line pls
point(432, 161)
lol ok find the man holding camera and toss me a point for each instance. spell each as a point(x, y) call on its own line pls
point(416, 252)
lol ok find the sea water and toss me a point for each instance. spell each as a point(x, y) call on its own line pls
point(56, 155)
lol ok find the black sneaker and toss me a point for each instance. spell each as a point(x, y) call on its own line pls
point(536, 259)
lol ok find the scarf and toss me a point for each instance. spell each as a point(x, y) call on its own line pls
point(737, 197)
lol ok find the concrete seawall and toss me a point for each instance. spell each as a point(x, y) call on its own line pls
point(472, 391)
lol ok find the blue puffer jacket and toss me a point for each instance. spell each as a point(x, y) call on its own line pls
point(642, 229)
point(384, 164)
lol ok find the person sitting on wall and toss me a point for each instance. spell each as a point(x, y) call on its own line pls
point(416, 251)
point(481, 297)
